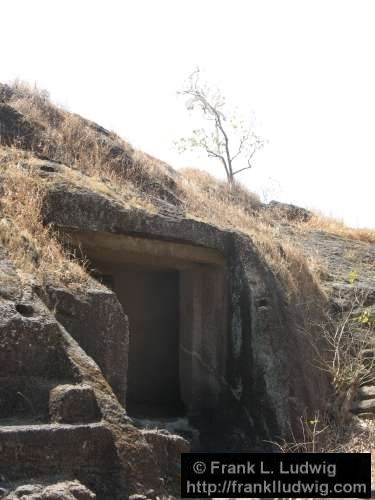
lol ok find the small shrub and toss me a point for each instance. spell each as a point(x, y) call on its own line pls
point(353, 277)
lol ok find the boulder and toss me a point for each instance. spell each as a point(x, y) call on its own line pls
point(96, 320)
point(268, 360)
point(67, 490)
point(14, 127)
point(290, 212)
point(64, 490)
point(366, 392)
point(28, 489)
point(364, 406)
point(30, 342)
point(73, 404)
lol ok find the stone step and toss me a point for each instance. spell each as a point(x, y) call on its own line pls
point(26, 397)
point(22, 420)
point(366, 392)
point(364, 406)
point(85, 452)
point(34, 401)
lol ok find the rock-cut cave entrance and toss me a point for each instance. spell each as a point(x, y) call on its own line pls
point(175, 297)
point(150, 299)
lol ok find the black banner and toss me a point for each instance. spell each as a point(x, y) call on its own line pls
point(276, 475)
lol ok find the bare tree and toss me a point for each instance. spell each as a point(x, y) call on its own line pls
point(226, 136)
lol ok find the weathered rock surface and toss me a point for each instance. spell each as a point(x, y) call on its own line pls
point(348, 275)
point(14, 127)
point(57, 343)
point(73, 404)
point(264, 339)
point(366, 392)
point(38, 356)
point(340, 257)
point(289, 211)
point(103, 335)
point(86, 452)
point(83, 209)
point(364, 406)
point(67, 490)
point(281, 377)
point(29, 343)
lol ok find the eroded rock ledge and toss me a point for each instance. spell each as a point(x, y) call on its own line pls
point(269, 378)
point(175, 309)
point(38, 358)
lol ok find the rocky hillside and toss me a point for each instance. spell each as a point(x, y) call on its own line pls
point(348, 275)
point(274, 314)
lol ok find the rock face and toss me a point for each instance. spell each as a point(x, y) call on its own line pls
point(69, 490)
point(86, 452)
point(105, 334)
point(72, 404)
point(44, 376)
point(35, 353)
point(281, 377)
point(38, 354)
point(15, 128)
point(364, 406)
point(348, 275)
point(269, 379)
point(172, 302)
point(289, 211)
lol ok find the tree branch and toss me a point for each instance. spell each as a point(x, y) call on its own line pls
point(242, 169)
point(244, 138)
point(218, 144)
point(215, 155)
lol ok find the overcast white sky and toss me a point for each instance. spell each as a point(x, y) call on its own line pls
point(306, 69)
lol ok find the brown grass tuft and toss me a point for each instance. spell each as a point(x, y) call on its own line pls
point(212, 201)
point(81, 144)
point(212, 188)
point(112, 167)
point(33, 247)
point(333, 226)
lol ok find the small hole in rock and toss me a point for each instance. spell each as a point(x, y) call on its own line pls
point(25, 309)
point(47, 168)
point(262, 303)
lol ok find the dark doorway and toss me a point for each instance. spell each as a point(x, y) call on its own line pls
point(174, 360)
point(151, 300)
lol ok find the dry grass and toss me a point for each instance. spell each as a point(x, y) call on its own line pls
point(114, 169)
point(322, 435)
point(111, 167)
point(81, 144)
point(211, 201)
point(338, 228)
point(33, 247)
point(212, 188)
point(109, 186)
point(347, 335)
point(338, 431)
point(101, 154)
